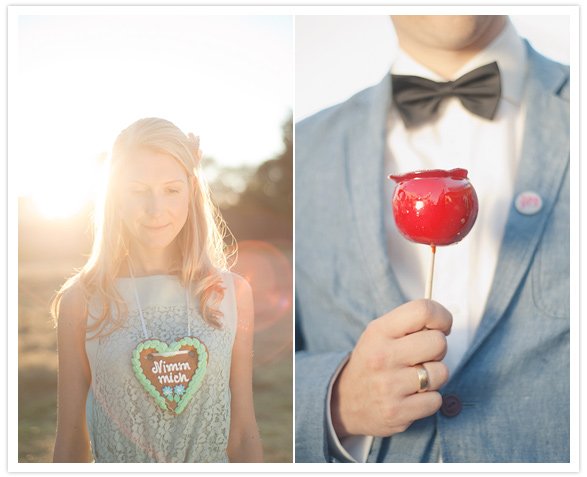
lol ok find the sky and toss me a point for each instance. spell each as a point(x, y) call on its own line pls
point(338, 55)
point(81, 79)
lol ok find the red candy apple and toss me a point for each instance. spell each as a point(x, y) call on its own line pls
point(434, 207)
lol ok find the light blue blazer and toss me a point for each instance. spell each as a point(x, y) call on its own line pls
point(514, 379)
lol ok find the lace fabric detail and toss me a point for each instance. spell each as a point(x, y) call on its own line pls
point(126, 424)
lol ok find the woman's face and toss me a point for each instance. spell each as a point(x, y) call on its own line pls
point(154, 198)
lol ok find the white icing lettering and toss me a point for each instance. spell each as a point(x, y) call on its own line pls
point(171, 379)
point(162, 367)
point(158, 367)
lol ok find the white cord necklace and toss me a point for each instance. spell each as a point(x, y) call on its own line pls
point(170, 373)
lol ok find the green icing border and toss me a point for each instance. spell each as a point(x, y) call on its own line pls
point(162, 347)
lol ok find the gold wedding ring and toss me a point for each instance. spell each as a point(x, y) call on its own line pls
point(423, 377)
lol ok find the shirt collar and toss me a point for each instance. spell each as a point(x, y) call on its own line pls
point(507, 49)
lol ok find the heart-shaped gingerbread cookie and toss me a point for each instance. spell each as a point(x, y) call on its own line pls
point(172, 373)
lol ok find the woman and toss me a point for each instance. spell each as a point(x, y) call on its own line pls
point(154, 335)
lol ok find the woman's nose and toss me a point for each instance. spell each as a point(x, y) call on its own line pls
point(155, 205)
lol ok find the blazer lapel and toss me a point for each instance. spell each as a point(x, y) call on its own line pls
point(544, 161)
point(365, 149)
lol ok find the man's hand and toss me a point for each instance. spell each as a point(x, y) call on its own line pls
point(376, 393)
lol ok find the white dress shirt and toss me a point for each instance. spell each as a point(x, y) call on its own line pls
point(490, 151)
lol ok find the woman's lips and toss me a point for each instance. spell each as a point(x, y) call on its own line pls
point(156, 228)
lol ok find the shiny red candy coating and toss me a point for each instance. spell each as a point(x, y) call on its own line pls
point(434, 207)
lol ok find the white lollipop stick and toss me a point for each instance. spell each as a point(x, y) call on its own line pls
point(428, 293)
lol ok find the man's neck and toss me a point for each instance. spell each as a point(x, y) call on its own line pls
point(446, 62)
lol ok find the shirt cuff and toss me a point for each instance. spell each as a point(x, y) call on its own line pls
point(350, 448)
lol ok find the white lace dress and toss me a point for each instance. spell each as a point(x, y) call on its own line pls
point(124, 422)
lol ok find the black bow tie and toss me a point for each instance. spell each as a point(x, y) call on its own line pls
point(417, 98)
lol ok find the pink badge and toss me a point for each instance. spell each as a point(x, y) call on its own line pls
point(528, 203)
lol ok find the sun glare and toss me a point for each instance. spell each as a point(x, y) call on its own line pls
point(61, 192)
point(79, 90)
point(60, 203)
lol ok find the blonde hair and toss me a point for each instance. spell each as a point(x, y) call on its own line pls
point(201, 241)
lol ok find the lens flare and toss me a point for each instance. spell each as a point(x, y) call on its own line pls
point(268, 270)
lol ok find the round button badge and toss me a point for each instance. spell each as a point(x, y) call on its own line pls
point(528, 203)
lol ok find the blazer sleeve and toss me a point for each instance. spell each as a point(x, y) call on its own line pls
point(314, 372)
point(326, 326)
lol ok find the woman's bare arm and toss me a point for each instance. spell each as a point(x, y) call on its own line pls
point(244, 443)
point(72, 443)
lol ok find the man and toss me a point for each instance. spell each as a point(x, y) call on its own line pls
point(493, 385)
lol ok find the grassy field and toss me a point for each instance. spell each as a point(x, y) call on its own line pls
point(48, 253)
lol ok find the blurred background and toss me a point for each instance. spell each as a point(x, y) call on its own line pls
point(81, 80)
point(339, 55)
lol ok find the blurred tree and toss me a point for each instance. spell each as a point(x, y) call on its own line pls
point(226, 182)
point(264, 210)
point(271, 187)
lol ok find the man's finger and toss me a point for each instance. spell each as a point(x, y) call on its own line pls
point(414, 316)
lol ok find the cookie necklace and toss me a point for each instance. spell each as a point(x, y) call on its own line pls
point(170, 372)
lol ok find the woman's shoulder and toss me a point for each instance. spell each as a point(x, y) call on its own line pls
point(73, 305)
point(242, 288)
point(238, 300)
point(239, 281)
point(244, 300)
